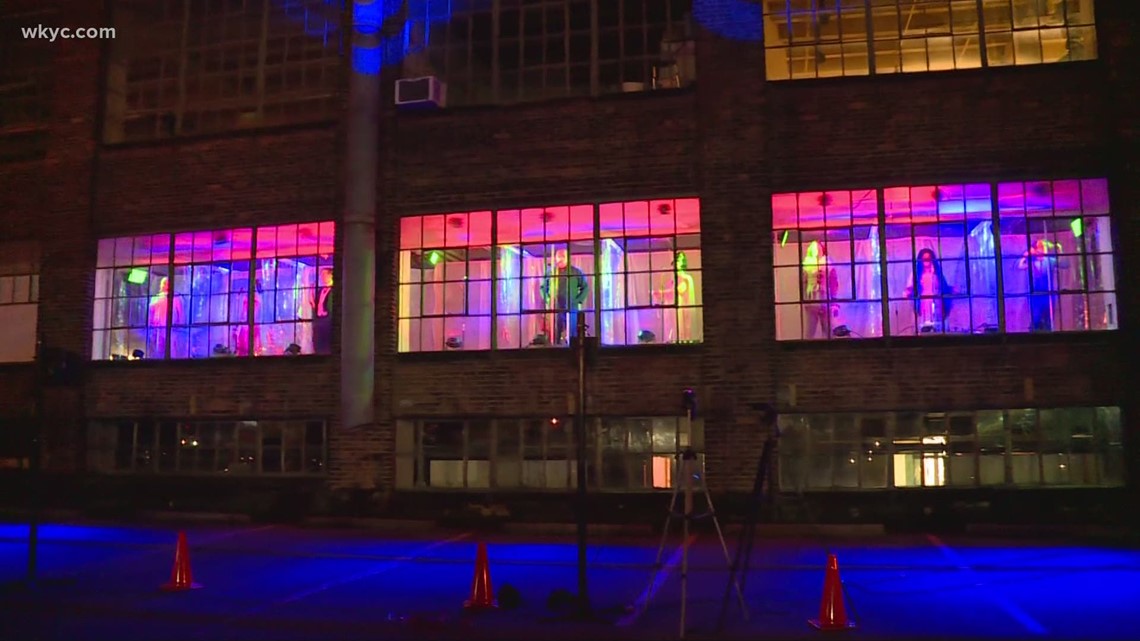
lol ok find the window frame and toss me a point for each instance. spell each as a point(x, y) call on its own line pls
point(102, 335)
point(198, 57)
point(984, 35)
point(888, 299)
point(409, 456)
point(102, 460)
point(595, 296)
point(513, 43)
point(27, 269)
point(1108, 457)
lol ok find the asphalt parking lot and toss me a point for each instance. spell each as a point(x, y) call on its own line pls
point(100, 581)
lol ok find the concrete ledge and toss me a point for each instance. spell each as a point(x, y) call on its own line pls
point(1038, 531)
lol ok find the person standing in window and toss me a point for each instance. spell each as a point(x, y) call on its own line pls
point(821, 284)
point(928, 287)
point(1041, 263)
point(564, 291)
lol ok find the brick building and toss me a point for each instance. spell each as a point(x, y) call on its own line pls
point(910, 227)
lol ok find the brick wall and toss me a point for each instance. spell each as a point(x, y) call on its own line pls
point(733, 140)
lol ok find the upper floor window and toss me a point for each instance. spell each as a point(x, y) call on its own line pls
point(522, 278)
point(501, 51)
point(944, 259)
point(266, 291)
point(25, 86)
point(826, 38)
point(183, 67)
point(19, 301)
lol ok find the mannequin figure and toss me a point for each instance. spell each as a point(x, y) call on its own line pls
point(927, 286)
point(684, 296)
point(322, 321)
point(821, 283)
point(158, 319)
point(241, 334)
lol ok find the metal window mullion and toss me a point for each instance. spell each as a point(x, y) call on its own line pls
point(884, 264)
point(168, 330)
point(251, 295)
point(983, 55)
point(869, 21)
point(995, 224)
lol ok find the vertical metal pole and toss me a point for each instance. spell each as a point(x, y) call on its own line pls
point(34, 467)
point(358, 272)
point(580, 437)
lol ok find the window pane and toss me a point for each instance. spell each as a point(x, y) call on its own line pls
point(546, 275)
point(651, 270)
point(832, 240)
point(445, 282)
point(1054, 256)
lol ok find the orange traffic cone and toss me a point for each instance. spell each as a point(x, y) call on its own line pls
point(181, 577)
point(832, 609)
point(481, 595)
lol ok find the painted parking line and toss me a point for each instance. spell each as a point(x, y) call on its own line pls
point(641, 604)
point(379, 569)
point(1021, 616)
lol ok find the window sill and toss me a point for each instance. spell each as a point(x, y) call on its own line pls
point(1077, 67)
point(1096, 337)
point(545, 103)
point(206, 362)
point(602, 351)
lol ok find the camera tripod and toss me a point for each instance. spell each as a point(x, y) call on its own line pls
point(689, 480)
point(738, 574)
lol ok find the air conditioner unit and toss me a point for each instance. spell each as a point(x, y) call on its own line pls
point(426, 92)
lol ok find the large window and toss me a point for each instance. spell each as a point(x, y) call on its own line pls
point(183, 67)
point(539, 453)
point(825, 38)
point(19, 301)
point(516, 50)
point(26, 76)
point(236, 292)
point(638, 262)
point(1022, 447)
point(207, 447)
point(934, 251)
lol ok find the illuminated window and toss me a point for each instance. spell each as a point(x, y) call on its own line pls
point(19, 301)
point(546, 275)
point(828, 267)
point(191, 299)
point(1057, 263)
point(941, 272)
point(938, 260)
point(1080, 446)
point(207, 447)
point(26, 76)
point(650, 279)
point(445, 282)
point(539, 453)
point(519, 50)
point(826, 38)
point(182, 67)
point(552, 267)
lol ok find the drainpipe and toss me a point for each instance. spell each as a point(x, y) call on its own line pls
point(358, 274)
